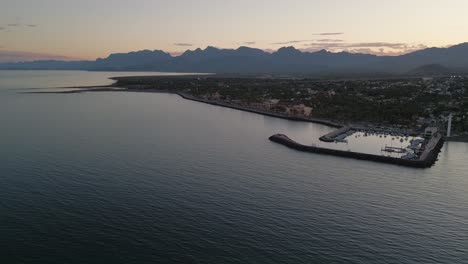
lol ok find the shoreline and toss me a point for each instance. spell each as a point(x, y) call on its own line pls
point(261, 112)
point(325, 138)
point(428, 159)
point(112, 88)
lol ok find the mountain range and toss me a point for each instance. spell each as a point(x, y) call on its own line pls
point(245, 60)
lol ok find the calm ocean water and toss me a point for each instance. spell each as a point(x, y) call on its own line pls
point(152, 178)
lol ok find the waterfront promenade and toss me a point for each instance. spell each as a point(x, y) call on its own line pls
point(262, 112)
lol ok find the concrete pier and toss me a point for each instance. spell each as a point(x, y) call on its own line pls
point(449, 125)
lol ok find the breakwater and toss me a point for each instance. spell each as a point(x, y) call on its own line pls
point(428, 159)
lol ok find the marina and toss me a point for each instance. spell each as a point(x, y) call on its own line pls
point(397, 146)
point(424, 159)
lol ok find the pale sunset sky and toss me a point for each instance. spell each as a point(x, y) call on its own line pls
point(88, 29)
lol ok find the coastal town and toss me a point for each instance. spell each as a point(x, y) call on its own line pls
point(404, 103)
point(407, 119)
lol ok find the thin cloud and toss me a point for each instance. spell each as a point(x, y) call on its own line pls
point(306, 40)
point(183, 44)
point(360, 45)
point(250, 42)
point(176, 53)
point(269, 50)
point(381, 52)
point(291, 42)
point(377, 48)
point(329, 33)
point(329, 40)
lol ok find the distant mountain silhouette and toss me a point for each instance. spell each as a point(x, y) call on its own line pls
point(245, 60)
point(139, 60)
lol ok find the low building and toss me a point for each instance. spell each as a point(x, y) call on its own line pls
point(430, 131)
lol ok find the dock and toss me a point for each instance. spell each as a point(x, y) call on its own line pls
point(330, 137)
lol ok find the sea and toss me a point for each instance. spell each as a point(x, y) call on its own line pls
point(121, 177)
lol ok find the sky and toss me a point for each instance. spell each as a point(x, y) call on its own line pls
point(90, 29)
